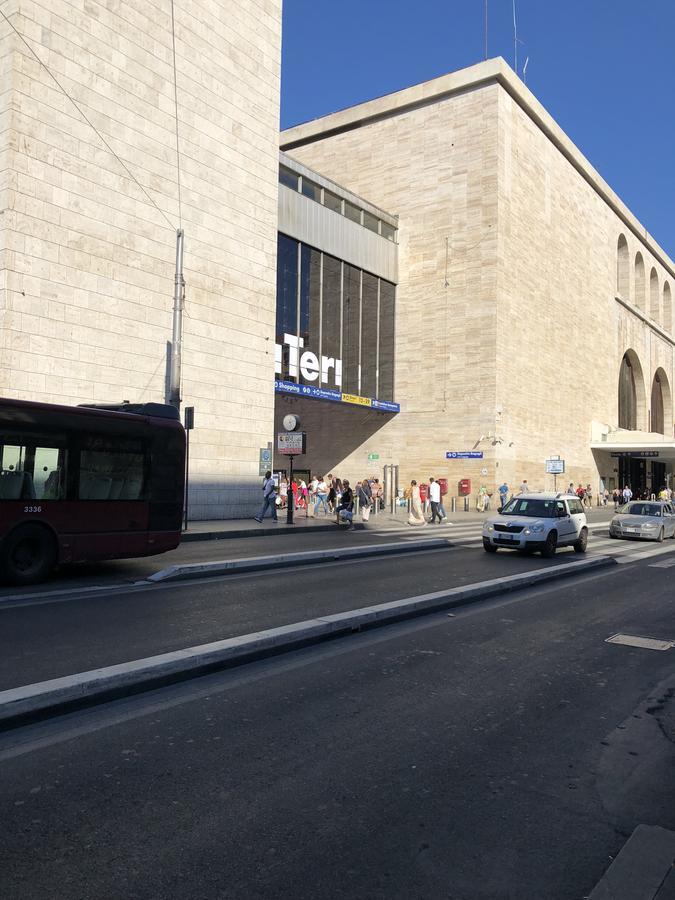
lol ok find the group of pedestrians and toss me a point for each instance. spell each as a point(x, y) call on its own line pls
point(620, 497)
point(331, 495)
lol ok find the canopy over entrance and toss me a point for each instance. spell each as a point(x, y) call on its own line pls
point(642, 460)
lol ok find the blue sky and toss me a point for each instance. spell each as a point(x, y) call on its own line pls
point(604, 69)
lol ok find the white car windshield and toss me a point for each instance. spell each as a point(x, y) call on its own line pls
point(538, 508)
point(641, 509)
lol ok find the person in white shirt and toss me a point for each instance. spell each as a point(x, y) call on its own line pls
point(435, 500)
point(321, 496)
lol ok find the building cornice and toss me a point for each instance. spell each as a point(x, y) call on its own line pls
point(492, 71)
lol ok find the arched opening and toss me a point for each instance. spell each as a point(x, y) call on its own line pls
point(640, 282)
point(661, 403)
point(667, 308)
point(632, 406)
point(623, 269)
point(654, 297)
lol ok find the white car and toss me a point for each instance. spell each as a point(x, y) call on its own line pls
point(540, 522)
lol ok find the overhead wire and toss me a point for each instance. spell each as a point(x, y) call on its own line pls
point(87, 120)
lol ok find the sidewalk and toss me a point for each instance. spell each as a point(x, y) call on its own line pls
point(219, 529)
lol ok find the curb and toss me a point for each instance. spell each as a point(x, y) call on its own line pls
point(283, 560)
point(32, 702)
point(188, 537)
point(642, 867)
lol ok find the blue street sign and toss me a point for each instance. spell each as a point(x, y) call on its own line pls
point(464, 454)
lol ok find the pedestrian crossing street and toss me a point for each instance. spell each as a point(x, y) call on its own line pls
point(469, 534)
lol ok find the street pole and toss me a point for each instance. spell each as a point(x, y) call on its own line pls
point(290, 509)
point(177, 332)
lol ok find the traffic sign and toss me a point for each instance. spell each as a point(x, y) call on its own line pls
point(373, 456)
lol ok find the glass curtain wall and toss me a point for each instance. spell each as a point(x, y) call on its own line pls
point(339, 311)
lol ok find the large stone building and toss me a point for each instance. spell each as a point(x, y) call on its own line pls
point(527, 292)
point(461, 279)
point(106, 150)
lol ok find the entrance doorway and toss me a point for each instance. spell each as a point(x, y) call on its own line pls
point(633, 472)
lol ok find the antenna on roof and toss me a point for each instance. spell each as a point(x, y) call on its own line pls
point(515, 39)
point(525, 69)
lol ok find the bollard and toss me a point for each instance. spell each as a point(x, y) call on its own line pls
point(466, 504)
point(453, 504)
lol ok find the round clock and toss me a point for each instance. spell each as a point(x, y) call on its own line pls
point(291, 422)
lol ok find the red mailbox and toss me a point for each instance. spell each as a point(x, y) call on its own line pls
point(464, 487)
point(443, 482)
point(424, 492)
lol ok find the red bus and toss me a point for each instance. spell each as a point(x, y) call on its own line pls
point(84, 483)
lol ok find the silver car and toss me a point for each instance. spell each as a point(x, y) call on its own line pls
point(652, 520)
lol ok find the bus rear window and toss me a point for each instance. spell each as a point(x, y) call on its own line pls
point(111, 475)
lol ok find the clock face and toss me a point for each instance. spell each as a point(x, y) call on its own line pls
point(291, 422)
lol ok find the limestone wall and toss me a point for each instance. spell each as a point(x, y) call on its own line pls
point(90, 218)
point(564, 331)
point(436, 167)
point(512, 341)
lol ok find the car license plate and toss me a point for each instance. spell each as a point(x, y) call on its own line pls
point(632, 530)
point(508, 537)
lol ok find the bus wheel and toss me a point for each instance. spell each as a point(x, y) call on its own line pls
point(28, 554)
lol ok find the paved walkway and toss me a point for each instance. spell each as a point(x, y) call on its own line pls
point(215, 529)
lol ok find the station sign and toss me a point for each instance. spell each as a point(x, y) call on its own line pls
point(638, 454)
point(464, 454)
point(291, 443)
point(313, 392)
point(555, 466)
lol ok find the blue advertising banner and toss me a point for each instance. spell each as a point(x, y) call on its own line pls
point(320, 393)
point(464, 454)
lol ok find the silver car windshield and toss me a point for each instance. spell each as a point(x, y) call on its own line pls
point(537, 508)
point(641, 509)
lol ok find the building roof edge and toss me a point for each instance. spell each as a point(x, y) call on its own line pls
point(492, 71)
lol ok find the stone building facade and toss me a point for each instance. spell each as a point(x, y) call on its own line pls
point(524, 282)
point(90, 186)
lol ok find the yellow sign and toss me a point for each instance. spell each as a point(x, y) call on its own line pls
point(353, 398)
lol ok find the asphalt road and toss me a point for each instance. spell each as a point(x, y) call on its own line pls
point(505, 752)
point(73, 633)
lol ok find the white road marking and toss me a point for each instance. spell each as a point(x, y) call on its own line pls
point(664, 564)
point(632, 640)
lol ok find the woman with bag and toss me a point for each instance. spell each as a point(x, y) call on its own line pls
point(365, 499)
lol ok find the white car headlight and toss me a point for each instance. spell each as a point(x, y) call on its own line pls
point(649, 525)
point(537, 528)
point(490, 527)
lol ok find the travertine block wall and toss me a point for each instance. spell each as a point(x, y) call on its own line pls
point(566, 332)
point(515, 336)
point(436, 167)
point(89, 239)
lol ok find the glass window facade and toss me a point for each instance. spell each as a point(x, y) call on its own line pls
point(385, 355)
point(340, 312)
point(332, 201)
point(289, 178)
point(311, 190)
point(310, 298)
point(352, 212)
point(287, 292)
point(371, 222)
point(369, 310)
